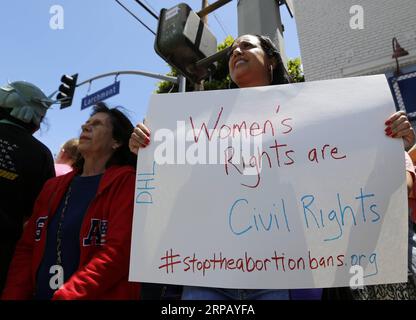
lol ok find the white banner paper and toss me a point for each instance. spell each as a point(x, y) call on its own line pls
point(322, 188)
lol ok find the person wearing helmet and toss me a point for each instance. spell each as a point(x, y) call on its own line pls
point(25, 163)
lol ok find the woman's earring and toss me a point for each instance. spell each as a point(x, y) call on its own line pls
point(271, 74)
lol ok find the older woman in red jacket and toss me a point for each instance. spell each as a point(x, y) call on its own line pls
point(77, 242)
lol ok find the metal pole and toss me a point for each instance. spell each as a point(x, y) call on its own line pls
point(204, 5)
point(182, 83)
point(140, 73)
point(215, 57)
point(262, 17)
point(200, 86)
point(398, 72)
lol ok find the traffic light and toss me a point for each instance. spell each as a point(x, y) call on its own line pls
point(67, 90)
point(183, 39)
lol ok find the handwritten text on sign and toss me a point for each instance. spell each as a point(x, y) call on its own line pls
point(271, 187)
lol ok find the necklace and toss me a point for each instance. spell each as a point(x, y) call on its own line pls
point(59, 232)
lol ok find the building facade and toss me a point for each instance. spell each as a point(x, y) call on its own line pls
point(333, 45)
point(347, 38)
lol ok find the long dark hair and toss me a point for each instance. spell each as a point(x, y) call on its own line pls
point(122, 130)
point(280, 75)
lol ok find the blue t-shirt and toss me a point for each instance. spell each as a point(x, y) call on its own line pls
point(83, 190)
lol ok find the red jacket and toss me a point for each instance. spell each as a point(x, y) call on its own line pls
point(103, 267)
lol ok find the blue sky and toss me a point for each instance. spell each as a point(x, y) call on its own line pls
point(98, 37)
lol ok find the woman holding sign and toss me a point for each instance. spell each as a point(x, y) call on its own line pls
point(255, 61)
point(76, 245)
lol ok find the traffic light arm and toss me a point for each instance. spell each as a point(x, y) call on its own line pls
point(206, 62)
point(141, 73)
point(69, 83)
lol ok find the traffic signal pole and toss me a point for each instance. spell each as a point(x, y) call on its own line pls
point(262, 17)
point(200, 86)
point(182, 83)
point(203, 14)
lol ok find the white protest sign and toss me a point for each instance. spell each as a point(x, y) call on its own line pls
point(320, 190)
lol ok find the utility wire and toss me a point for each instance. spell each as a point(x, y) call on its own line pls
point(222, 27)
point(147, 9)
point(143, 24)
point(154, 10)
